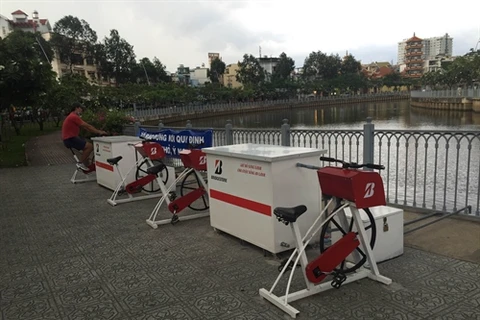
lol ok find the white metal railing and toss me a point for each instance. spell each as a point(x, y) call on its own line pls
point(431, 170)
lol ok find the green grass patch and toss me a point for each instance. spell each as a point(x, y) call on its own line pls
point(12, 149)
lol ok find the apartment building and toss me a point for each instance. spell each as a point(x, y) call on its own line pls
point(436, 46)
point(5, 26)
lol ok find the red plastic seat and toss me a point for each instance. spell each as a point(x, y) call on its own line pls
point(195, 159)
point(364, 188)
point(152, 150)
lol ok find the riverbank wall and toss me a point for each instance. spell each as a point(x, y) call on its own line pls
point(453, 104)
point(268, 107)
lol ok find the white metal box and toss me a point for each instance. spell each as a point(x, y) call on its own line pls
point(110, 147)
point(247, 181)
point(389, 227)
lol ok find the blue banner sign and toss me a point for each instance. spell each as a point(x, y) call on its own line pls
point(175, 141)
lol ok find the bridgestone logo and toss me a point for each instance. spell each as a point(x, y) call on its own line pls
point(218, 178)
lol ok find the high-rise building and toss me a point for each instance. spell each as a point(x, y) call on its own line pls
point(432, 47)
point(438, 46)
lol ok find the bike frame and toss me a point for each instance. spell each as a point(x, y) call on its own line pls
point(152, 220)
point(87, 177)
point(372, 272)
point(283, 302)
point(114, 200)
point(193, 160)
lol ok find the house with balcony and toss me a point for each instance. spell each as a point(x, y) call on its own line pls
point(437, 63)
point(21, 21)
point(268, 64)
point(199, 76)
point(182, 75)
point(230, 76)
point(81, 63)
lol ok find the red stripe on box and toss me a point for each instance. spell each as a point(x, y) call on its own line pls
point(104, 165)
point(241, 202)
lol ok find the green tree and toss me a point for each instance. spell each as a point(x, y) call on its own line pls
point(350, 65)
point(73, 39)
point(161, 75)
point(26, 73)
point(393, 80)
point(320, 66)
point(119, 58)
point(217, 69)
point(69, 88)
point(250, 72)
point(283, 69)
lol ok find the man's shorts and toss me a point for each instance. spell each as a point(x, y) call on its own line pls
point(75, 143)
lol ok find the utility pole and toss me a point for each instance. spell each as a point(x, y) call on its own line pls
point(146, 74)
point(41, 47)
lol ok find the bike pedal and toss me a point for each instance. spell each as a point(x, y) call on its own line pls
point(289, 267)
point(174, 220)
point(338, 280)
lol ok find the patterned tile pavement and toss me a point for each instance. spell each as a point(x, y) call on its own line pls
point(67, 254)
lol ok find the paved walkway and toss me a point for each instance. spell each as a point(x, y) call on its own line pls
point(47, 150)
point(67, 254)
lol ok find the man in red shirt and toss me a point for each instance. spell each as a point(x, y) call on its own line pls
point(70, 134)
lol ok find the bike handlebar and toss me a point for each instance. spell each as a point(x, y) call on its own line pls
point(147, 140)
point(354, 165)
point(189, 146)
point(195, 146)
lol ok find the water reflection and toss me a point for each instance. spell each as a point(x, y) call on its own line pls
point(387, 115)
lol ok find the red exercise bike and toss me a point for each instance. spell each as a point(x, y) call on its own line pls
point(343, 188)
point(151, 174)
point(193, 190)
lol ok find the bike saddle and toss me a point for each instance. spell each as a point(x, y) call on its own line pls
point(114, 161)
point(156, 168)
point(290, 214)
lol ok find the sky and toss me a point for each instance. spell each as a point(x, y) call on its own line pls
point(183, 32)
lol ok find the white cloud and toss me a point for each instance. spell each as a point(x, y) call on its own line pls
point(183, 32)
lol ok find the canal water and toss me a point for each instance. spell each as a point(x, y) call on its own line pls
point(385, 115)
point(436, 171)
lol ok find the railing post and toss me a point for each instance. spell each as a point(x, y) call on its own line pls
point(229, 133)
point(160, 125)
point(285, 133)
point(136, 127)
point(368, 130)
point(189, 124)
point(135, 111)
